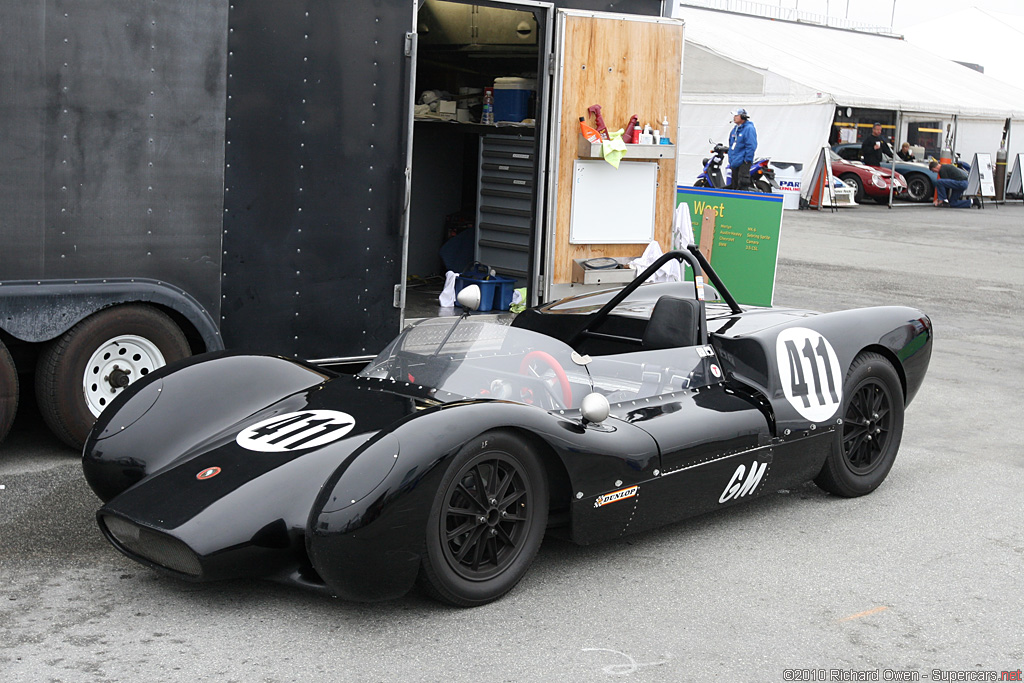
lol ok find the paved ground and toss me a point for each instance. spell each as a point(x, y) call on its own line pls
point(923, 574)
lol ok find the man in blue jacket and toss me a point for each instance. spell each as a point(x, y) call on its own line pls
point(742, 144)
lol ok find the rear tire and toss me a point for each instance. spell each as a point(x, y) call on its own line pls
point(8, 391)
point(866, 446)
point(487, 521)
point(84, 369)
point(919, 187)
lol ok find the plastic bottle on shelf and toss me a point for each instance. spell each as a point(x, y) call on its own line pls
point(630, 127)
point(487, 117)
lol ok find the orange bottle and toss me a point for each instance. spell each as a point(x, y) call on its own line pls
point(589, 133)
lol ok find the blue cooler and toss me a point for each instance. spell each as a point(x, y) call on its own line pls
point(512, 98)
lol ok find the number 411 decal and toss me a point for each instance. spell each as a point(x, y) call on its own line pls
point(810, 374)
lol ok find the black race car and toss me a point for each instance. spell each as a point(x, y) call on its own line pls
point(447, 459)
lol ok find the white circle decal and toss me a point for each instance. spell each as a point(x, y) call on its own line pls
point(810, 374)
point(296, 431)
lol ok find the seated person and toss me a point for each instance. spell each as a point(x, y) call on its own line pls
point(952, 181)
point(905, 152)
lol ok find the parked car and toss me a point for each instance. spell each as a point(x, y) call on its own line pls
point(446, 460)
point(920, 181)
point(867, 181)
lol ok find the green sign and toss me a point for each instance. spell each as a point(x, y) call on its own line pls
point(745, 248)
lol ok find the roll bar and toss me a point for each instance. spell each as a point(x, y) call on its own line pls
point(695, 260)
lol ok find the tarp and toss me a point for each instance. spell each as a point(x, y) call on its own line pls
point(852, 68)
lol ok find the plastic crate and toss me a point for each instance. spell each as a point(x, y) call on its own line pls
point(495, 291)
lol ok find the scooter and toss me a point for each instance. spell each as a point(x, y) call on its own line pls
point(712, 176)
point(762, 178)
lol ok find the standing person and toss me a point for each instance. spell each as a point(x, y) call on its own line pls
point(742, 144)
point(951, 181)
point(874, 147)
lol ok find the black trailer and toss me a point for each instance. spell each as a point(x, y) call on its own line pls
point(183, 176)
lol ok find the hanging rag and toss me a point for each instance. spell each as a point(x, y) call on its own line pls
point(447, 298)
point(613, 150)
point(682, 227)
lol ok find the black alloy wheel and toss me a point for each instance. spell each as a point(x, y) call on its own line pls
point(867, 426)
point(866, 446)
point(919, 187)
point(487, 521)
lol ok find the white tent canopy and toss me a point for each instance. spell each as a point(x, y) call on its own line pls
point(791, 76)
point(853, 68)
point(974, 35)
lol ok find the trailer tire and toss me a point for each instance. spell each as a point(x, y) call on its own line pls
point(8, 391)
point(80, 372)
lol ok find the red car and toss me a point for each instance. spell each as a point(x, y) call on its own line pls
point(869, 181)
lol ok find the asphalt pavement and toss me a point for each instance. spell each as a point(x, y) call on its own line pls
point(921, 580)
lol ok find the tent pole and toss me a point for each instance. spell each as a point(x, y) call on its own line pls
point(898, 142)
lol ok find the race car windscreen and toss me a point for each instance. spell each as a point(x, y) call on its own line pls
point(478, 359)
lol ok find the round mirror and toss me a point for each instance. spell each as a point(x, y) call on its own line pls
point(595, 408)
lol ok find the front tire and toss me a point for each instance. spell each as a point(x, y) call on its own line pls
point(8, 391)
point(853, 181)
point(487, 521)
point(84, 369)
point(866, 447)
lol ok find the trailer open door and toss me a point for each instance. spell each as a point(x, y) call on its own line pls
point(629, 65)
point(315, 175)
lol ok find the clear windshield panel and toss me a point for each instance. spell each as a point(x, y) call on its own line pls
point(480, 359)
point(631, 376)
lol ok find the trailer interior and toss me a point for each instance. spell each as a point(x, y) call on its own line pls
point(474, 184)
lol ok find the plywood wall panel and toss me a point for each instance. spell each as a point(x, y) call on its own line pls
point(627, 66)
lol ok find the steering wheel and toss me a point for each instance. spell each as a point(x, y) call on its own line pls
point(526, 367)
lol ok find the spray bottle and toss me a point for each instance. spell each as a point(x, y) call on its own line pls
point(595, 109)
point(633, 123)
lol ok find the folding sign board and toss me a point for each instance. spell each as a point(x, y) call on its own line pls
point(1015, 183)
point(820, 186)
point(981, 180)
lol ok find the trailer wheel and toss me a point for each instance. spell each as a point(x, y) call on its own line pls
point(8, 391)
point(83, 370)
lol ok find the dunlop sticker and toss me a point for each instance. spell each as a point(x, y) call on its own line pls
point(616, 496)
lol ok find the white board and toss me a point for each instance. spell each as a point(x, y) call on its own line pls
point(613, 205)
point(981, 180)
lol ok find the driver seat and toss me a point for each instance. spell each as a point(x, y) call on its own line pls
point(674, 322)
